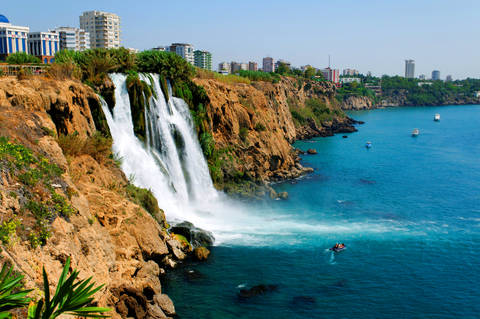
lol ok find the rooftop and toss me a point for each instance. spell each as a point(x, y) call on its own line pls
point(3, 19)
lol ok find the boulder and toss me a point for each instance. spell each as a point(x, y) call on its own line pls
point(176, 249)
point(312, 151)
point(256, 290)
point(165, 303)
point(196, 236)
point(283, 195)
point(201, 253)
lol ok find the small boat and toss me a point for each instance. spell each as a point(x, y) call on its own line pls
point(339, 248)
point(368, 145)
point(436, 117)
point(415, 132)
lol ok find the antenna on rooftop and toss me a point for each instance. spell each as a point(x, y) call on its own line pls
point(329, 61)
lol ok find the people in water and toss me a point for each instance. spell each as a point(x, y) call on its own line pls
point(339, 246)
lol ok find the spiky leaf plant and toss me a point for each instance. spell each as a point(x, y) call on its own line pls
point(10, 295)
point(71, 297)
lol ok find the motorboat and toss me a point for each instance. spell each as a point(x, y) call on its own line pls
point(368, 144)
point(338, 248)
point(436, 118)
point(415, 132)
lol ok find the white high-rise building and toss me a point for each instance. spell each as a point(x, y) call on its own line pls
point(103, 27)
point(74, 39)
point(184, 50)
point(409, 69)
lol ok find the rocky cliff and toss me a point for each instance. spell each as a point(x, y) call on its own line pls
point(66, 197)
point(255, 124)
point(357, 103)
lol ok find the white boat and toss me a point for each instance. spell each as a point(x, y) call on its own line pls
point(415, 132)
point(437, 117)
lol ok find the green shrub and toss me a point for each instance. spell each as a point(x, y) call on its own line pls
point(243, 133)
point(8, 231)
point(259, 127)
point(60, 205)
point(144, 198)
point(97, 145)
point(22, 58)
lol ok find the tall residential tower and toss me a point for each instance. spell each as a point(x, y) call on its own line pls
point(268, 64)
point(103, 27)
point(203, 59)
point(409, 69)
point(184, 50)
point(74, 39)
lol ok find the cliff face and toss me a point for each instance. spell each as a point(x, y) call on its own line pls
point(104, 231)
point(357, 103)
point(256, 123)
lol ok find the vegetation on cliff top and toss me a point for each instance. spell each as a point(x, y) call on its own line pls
point(417, 92)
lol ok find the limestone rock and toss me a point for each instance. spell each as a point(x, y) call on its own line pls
point(165, 303)
point(312, 151)
point(283, 195)
point(201, 253)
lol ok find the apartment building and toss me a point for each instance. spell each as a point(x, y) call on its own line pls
point(203, 59)
point(74, 39)
point(103, 28)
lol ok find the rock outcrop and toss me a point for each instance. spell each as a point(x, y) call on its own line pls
point(108, 236)
point(357, 103)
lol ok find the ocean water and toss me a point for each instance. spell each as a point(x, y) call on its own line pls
point(408, 210)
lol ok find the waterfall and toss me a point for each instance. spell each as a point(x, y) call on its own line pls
point(170, 162)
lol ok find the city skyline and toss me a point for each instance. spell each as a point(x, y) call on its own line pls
point(367, 36)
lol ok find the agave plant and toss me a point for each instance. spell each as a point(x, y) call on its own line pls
point(71, 297)
point(10, 296)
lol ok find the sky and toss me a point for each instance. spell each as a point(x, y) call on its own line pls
point(367, 35)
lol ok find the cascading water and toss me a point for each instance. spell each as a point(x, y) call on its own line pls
point(171, 163)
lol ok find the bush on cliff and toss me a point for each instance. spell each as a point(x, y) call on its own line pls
point(168, 64)
point(97, 146)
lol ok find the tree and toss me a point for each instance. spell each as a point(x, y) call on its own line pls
point(22, 58)
point(309, 72)
point(282, 69)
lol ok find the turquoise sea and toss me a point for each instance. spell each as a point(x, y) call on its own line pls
point(408, 210)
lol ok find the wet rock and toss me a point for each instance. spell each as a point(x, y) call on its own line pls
point(201, 253)
point(303, 301)
point(176, 249)
point(167, 261)
point(192, 274)
point(366, 181)
point(256, 290)
point(196, 236)
point(312, 151)
point(165, 303)
point(283, 195)
point(273, 194)
point(154, 312)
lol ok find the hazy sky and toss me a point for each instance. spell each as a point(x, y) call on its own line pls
point(368, 35)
